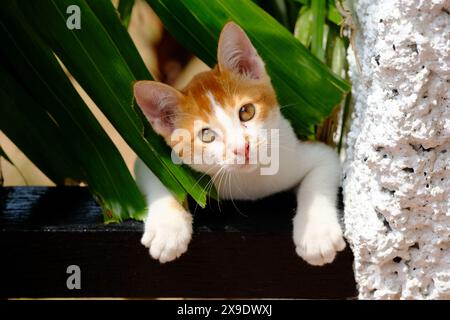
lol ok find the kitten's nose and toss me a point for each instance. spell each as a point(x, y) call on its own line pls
point(242, 150)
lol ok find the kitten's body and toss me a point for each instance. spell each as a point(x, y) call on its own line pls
point(214, 98)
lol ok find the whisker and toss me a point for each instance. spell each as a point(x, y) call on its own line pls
point(223, 174)
point(289, 105)
point(204, 174)
point(232, 200)
point(208, 186)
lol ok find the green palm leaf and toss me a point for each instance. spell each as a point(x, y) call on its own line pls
point(49, 121)
point(102, 57)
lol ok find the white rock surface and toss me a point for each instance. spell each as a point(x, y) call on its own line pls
point(397, 172)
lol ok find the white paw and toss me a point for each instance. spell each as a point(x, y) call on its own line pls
point(317, 242)
point(167, 233)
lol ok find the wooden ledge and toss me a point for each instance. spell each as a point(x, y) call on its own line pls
point(245, 253)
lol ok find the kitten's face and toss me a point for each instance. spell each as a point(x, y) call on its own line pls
point(218, 117)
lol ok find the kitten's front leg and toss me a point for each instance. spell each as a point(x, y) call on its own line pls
point(317, 233)
point(168, 226)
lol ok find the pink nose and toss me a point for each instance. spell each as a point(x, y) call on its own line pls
point(242, 150)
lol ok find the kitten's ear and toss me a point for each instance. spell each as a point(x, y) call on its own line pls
point(237, 54)
point(160, 104)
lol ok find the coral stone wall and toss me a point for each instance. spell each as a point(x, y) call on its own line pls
point(397, 172)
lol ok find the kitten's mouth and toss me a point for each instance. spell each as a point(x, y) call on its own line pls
point(245, 167)
point(244, 160)
point(244, 156)
point(245, 163)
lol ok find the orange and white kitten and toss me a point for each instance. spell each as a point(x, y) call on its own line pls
point(232, 103)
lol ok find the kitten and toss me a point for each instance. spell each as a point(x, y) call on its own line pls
point(232, 103)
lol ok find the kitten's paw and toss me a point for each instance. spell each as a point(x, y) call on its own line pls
point(318, 242)
point(167, 234)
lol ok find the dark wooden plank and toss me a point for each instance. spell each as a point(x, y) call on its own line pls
point(245, 252)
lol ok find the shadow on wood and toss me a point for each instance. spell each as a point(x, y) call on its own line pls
point(243, 250)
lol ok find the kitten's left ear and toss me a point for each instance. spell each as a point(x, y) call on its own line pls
point(237, 54)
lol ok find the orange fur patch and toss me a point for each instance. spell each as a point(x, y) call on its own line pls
point(228, 89)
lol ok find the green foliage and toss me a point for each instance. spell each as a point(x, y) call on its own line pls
point(318, 28)
point(318, 34)
point(125, 7)
point(46, 118)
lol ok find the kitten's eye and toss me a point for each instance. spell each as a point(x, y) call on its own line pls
point(207, 135)
point(247, 112)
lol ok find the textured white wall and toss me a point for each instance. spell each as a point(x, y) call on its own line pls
point(397, 172)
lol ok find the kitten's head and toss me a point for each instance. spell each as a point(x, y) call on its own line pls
point(222, 110)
